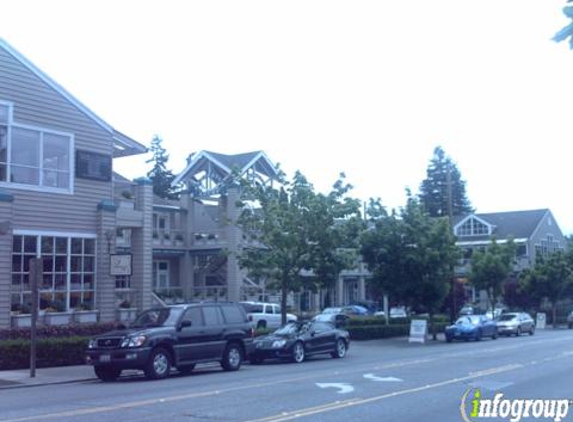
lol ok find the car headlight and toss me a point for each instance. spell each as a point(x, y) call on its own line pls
point(135, 341)
point(278, 344)
point(92, 344)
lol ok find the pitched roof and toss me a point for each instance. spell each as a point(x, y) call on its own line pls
point(518, 224)
point(237, 160)
point(123, 145)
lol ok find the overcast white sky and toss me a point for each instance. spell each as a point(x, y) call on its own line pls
point(368, 88)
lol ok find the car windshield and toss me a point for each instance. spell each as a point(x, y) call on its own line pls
point(473, 320)
point(164, 317)
point(292, 328)
point(507, 317)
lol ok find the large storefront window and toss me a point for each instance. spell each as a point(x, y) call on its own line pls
point(68, 271)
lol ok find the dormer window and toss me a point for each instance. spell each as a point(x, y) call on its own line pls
point(472, 226)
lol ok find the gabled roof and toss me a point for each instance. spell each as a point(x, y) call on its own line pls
point(518, 224)
point(123, 145)
point(228, 163)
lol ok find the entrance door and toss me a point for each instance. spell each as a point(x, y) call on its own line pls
point(161, 275)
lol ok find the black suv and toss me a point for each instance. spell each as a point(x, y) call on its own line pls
point(180, 336)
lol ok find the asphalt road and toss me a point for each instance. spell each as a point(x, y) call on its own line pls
point(382, 380)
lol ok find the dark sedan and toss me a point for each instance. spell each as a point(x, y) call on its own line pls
point(472, 327)
point(297, 340)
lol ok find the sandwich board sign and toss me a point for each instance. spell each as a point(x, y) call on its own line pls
point(418, 331)
point(540, 321)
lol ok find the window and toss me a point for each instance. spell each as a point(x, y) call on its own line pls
point(31, 156)
point(212, 315)
point(195, 316)
point(161, 275)
point(472, 227)
point(68, 278)
point(233, 314)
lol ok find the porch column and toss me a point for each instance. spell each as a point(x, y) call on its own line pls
point(106, 226)
point(340, 291)
point(141, 245)
point(233, 235)
point(6, 219)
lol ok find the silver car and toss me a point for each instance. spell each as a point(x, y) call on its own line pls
point(515, 323)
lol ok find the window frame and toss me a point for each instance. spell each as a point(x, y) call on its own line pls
point(10, 124)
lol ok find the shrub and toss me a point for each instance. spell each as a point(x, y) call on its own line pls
point(58, 331)
point(15, 354)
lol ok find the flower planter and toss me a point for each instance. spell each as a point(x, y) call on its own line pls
point(126, 314)
point(85, 317)
point(57, 318)
point(23, 320)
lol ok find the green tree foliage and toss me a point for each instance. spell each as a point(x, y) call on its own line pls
point(298, 229)
point(160, 176)
point(550, 278)
point(410, 256)
point(443, 190)
point(492, 267)
point(567, 31)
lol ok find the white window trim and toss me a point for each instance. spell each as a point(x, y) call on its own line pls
point(42, 130)
point(68, 235)
point(473, 216)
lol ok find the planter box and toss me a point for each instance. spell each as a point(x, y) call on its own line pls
point(126, 315)
point(57, 318)
point(85, 317)
point(24, 320)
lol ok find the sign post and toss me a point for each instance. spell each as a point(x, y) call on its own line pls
point(36, 273)
point(418, 331)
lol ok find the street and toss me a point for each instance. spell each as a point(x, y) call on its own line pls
point(379, 380)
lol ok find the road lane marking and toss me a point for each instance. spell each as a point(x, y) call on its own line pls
point(382, 379)
point(344, 387)
point(295, 414)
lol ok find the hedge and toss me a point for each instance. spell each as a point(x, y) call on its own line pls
point(15, 354)
point(370, 332)
point(52, 331)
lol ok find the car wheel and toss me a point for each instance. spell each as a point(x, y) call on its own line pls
point(298, 352)
point(262, 325)
point(478, 335)
point(186, 369)
point(107, 373)
point(232, 357)
point(518, 332)
point(570, 326)
point(494, 335)
point(532, 331)
point(448, 339)
point(159, 364)
point(340, 351)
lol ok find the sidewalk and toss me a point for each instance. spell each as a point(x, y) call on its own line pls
point(58, 375)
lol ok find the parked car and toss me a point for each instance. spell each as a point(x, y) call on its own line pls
point(515, 323)
point(178, 335)
point(297, 340)
point(331, 310)
point(471, 327)
point(394, 313)
point(355, 310)
point(570, 320)
point(337, 319)
point(265, 315)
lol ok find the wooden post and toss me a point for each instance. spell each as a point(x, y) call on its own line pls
point(36, 270)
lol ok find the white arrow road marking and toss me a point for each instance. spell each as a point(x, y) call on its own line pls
point(387, 379)
point(344, 387)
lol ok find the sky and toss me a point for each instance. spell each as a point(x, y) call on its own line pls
point(368, 88)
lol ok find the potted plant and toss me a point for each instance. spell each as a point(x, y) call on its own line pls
point(84, 313)
point(125, 311)
point(126, 200)
point(21, 315)
point(55, 314)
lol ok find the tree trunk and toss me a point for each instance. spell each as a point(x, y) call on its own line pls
point(554, 312)
point(433, 327)
point(284, 292)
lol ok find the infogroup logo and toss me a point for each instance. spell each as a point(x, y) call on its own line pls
point(474, 407)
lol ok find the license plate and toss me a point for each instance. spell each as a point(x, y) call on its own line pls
point(105, 358)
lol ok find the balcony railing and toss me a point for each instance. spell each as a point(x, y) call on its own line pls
point(168, 238)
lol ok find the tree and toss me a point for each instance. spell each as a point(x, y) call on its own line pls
point(443, 192)
point(410, 256)
point(550, 279)
point(160, 176)
point(567, 31)
point(491, 267)
point(297, 229)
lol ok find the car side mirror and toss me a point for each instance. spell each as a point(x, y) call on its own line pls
point(186, 323)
